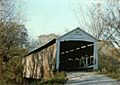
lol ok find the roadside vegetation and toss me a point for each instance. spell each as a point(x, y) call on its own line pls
point(111, 68)
point(13, 38)
point(109, 61)
point(58, 78)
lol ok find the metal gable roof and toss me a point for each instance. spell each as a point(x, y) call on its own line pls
point(78, 28)
point(42, 47)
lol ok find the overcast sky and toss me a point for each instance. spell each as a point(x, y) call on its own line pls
point(53, 16)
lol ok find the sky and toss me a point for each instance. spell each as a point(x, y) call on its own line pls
point(53, 16)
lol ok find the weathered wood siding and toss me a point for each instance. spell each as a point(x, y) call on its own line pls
point(40, 64)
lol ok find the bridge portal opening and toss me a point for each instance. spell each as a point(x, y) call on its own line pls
point(76, 55)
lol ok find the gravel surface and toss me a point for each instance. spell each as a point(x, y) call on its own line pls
point(89, 78)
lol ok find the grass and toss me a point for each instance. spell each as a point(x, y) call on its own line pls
point(58, 79)
point(109, 66)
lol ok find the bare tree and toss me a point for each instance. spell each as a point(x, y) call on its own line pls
point(103, 21)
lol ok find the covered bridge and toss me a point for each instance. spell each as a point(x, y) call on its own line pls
point(74, 50)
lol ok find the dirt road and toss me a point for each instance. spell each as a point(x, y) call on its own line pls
point(89, 78)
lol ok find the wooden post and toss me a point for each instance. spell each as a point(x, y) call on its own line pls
point(57, 54)
point(86, 62)
point(95, 55)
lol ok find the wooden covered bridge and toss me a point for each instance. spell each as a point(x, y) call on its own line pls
point(74, 50)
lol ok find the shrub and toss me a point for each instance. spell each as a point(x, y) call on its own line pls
point(58, 79)
point(109, 66)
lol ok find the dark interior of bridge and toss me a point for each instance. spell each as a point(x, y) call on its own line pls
point(76, 55)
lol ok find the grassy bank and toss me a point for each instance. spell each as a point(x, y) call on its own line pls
point(59, 78)
point(110, 66)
